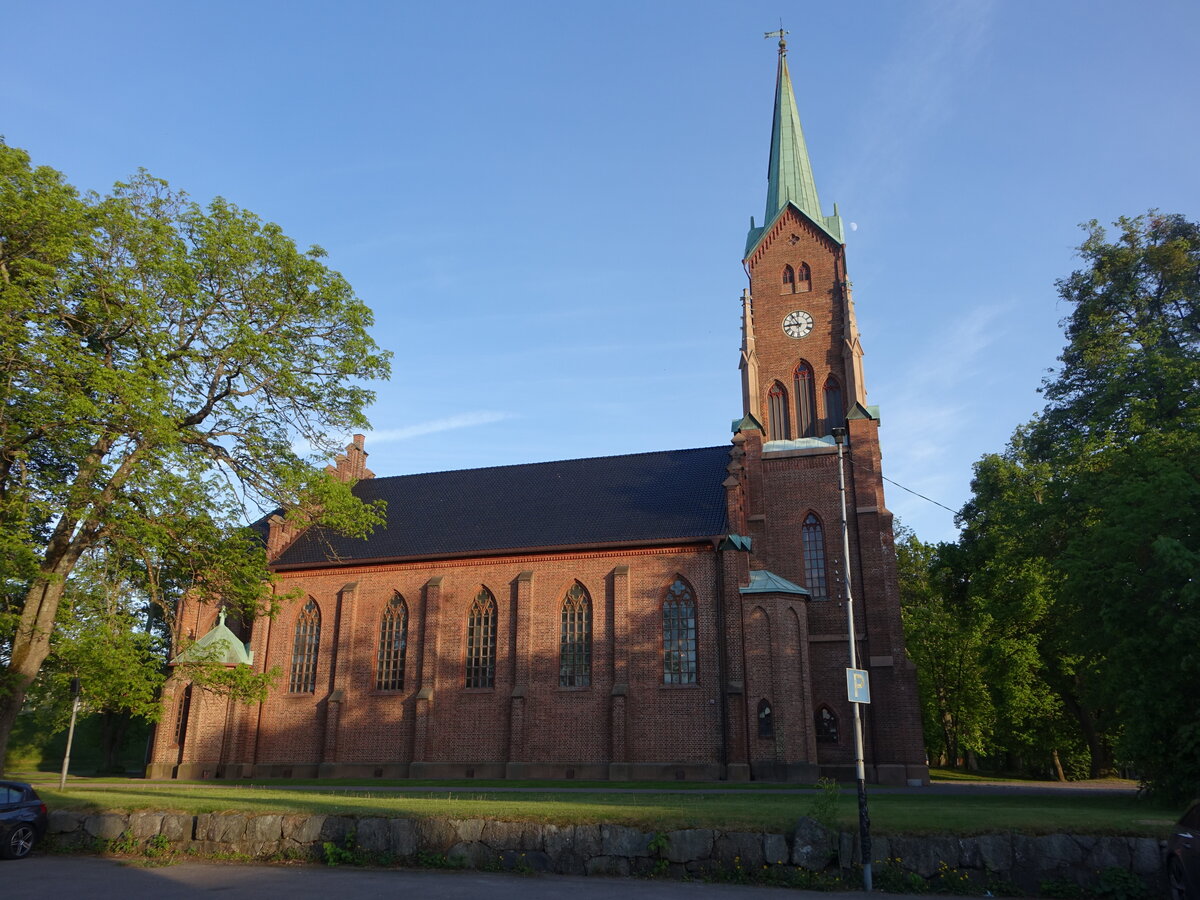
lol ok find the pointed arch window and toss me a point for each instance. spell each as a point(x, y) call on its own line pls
point(835, 411)
point(305, 647)
point(803, 279)
point(789, 279)
point(826, 725)
point(481, 641)
point(766, 719)
point(812, 537)
point(575, 648)
point(779, 426)
point(182, 709)
point(806, 401)
point(679, 635)
point(393, 642)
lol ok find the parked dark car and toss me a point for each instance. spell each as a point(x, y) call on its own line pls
point(22, 819)
point(1183, 856)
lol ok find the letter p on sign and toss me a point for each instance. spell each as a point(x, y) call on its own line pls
point(858, 686)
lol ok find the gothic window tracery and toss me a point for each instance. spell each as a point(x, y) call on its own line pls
point(806, 401)
point(778, 420)
point(679, 635)
point(481, 641)
point(812, 538)
point(575, 651)
point(393, 642)
point(789, 279)
point(305, 647)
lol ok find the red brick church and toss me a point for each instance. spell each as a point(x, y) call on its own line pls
point(670, 615)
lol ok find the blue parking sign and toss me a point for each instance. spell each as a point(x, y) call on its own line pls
point(858, 686)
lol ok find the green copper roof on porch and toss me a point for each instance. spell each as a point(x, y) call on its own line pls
point(789, 171)
point(219, 646)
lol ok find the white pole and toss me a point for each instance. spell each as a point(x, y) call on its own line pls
point(860, 769)
point(62, 779)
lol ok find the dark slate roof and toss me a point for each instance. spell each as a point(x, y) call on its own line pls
point(642, 497)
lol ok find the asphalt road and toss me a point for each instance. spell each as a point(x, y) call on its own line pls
point(68, 877)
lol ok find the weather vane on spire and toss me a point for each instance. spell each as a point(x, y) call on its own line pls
point(779, 34)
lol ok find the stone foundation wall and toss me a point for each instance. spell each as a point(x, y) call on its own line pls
point(994, 861)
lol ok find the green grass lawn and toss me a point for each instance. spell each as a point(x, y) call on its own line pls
point(745, 810)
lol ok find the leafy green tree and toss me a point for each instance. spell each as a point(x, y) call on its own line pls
point(159, 362)
point(947, 639)
point(1122, 436)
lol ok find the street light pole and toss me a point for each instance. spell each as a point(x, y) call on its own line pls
point(75, 688)
point(860, 770)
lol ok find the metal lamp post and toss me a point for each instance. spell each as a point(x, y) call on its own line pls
point(75, 688)
point(855, 676)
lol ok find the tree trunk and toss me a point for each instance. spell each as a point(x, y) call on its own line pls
point(30, 647)
point(1058, 769)
point(1101, 753)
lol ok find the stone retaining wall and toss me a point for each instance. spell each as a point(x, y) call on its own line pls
point(995, 861)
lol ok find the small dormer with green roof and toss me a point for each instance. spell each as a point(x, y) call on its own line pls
point(220, 646)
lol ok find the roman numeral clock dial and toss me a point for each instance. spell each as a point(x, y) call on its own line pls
point(797, 324)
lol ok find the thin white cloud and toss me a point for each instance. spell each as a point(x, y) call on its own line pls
point(918, 88)
point(450, 423)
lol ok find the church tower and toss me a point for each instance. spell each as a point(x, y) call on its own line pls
point(802, 378)
point(802, 363)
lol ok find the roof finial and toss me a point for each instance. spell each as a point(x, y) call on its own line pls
point(779, 34)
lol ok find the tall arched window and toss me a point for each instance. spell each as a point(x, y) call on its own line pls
point(679, 635)
point(481, 641)
point(779, 427)
point(803, 278)
point(812, 536)
point(393, 641)
point(826, 725)
point(789, 278)
point(806, 401)
point(575, 649)
point(304, 650)
point(766, 720)
point(182, 709)
point(835, 413)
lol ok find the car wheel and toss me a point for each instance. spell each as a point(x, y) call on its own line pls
point(1175, 880)
point(18, 843)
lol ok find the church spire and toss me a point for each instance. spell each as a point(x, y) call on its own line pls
point(789, 172)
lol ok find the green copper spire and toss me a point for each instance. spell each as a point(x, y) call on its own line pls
point(789, 173)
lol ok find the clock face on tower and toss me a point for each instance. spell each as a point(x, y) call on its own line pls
point(797, 324)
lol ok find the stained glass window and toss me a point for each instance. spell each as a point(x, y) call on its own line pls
point(679, 635)
point(812, 536)
point(575, 655)
point(304, 650)
point(393, 641)
point(481, 641)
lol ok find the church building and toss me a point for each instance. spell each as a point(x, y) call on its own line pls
point(672, 615)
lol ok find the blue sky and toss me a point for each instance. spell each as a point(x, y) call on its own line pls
point(545, 203)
